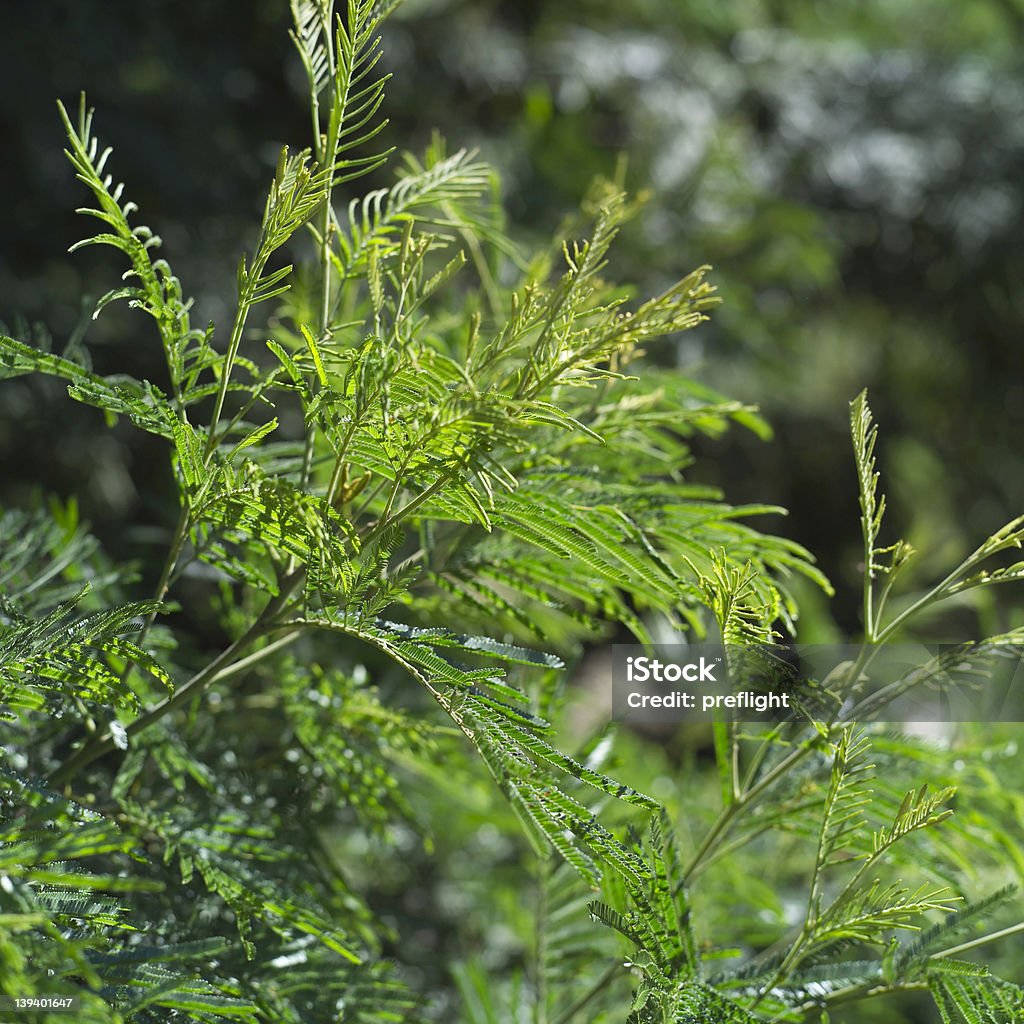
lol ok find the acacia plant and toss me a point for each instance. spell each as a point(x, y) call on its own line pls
point(415, 472)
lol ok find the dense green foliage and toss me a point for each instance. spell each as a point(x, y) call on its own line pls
point(406, 497)
point(850, 170)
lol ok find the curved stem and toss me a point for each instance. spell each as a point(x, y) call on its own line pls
point(224, 664)
point(863, 990)
point(238, 326)
point(981, 941)
point(569, 1015)
point(712, 838)
point(743, 803)
point(104, 744)
point(170, 564)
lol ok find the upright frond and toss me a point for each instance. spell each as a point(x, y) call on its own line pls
point(154, 288)
point(872, 505)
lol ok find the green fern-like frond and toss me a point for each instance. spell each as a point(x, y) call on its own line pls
point(885, 560)
point(918, 954)
point(872, 505)
point(154, 288)
point(339, 54)
point(46, 557)
point(739, 610)
point(969, 575)
point(659, 927)
point(59, 658)
point(357, 95)
point(311, 36)
point(866, 913)
point(285, 522)
point(846, 799)
point(977, 1000)
point(918, 810)
point(424, 192)
point(142, 402)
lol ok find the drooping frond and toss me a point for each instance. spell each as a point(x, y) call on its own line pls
point(142, 402)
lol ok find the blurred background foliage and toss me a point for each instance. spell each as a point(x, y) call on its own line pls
point(851, 169)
